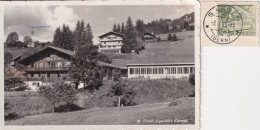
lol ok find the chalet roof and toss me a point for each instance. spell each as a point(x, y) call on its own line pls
point(109, 33)
point(149, 34)
point(69, 52)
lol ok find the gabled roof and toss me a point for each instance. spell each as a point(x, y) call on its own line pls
point(109, 33)
point(68, 52)
point(149, 34)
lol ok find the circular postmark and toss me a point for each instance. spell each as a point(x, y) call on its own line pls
point(223, 24)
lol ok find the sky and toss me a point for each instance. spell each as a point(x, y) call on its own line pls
point(20, 19)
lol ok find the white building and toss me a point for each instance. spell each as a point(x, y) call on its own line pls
point(110, 43)
point(161, 70)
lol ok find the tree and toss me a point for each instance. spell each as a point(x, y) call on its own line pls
point(122, 28)
point(130, 36)
point(118, 29)
point(58, 93)
point(140, 28)
point(63, 38)
point(192, 79)
point(174, 37)
point(159, 38)
point(79, 34)
point(27, 40)
point(11, 39)
point(14, 78)
point(169, 37)
point(85, 67)
point(89, 35)
point(67, 38)
point(114, 28)
point(57, 39)
point(37, 43)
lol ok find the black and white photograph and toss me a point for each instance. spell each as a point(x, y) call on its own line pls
point(100, 65)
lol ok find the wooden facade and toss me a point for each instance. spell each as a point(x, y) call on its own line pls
point(52, 64)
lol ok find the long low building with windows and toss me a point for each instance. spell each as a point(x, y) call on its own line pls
point(161, 70)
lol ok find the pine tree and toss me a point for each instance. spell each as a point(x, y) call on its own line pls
point(130, 37)
point(140, 28)
point(89, 35)
point(57, 39)
point(114, 28)
point(122, 28)
point(118, 28)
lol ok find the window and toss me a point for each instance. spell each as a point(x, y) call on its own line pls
point(109, 46)
point(131, 70)
point(192, 69)
point(114, 46)
point(58, 64)
point(149, 70)
point(186, 70)
point(39, 75)
point(154, 70)
point(173, 70)
point(168, 70)
point(32, 75)
point(160, 70)
point(179, 70)
point(49, 54)
point(137, 70)
point(108, 37)
point(48, 75)
point(40, 64)
point(67, 64)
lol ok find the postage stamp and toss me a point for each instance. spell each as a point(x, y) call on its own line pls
point(232, 24)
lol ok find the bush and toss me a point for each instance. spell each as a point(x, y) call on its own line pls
point(173, 103)
point(11, 116)
point(59, 93)
point(133, 92)
point(159, 38)
point(67, 108)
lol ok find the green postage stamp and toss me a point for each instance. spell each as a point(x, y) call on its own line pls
point(246, 14)
point(225, 23)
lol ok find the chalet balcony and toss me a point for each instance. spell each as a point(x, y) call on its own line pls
point(48, 79)
point(30, 69)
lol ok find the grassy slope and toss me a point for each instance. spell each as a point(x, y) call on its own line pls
point(115, 116)
point(161, 52)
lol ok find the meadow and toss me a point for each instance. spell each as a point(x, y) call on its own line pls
point(181, 51)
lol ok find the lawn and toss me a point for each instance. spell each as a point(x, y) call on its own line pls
point(181, 51)
point(140, 114)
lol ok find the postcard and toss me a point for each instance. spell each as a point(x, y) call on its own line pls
point(100, 65)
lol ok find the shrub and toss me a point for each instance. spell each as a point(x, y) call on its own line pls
point(133, 92)
point(59, 93)
point(11, 116)
point(159, 38)
point(67, 108)
point(173, 103)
